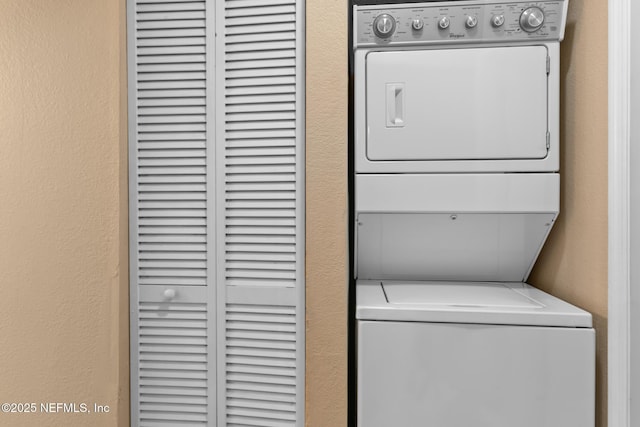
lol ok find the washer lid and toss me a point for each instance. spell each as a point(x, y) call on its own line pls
point(488, 295)
point(465, 302)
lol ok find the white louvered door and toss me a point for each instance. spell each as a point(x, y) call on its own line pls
point(216, 172)
point(260, 160)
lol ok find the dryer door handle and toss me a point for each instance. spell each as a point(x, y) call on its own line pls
point(395, 105)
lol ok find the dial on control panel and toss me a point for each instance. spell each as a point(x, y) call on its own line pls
point(384, 25)
point(471, 22)
point(532, 19)
point(497, 21)
point(444, 22)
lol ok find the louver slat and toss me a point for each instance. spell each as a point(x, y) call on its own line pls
point(262, 9)
point(173, 6)
point(178, 34)
point(164, 50)
point(171, 15)
point(257, 19)
point(168, 41)
point(262, 28)
point(171, 337)
point(266, 37)
point(142, 2)
point(235, 4)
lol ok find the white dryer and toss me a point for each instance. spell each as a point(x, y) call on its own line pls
point(456, 117)
point(456, 156)
point(440, 87)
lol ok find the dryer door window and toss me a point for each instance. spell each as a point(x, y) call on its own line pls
point(457, 104)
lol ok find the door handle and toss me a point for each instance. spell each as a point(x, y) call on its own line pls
point(395, 104)
point(169, 294)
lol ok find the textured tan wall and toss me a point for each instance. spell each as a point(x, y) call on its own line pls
point(63, 314)
point(573, 264)
point(326, 213)
point(63, 269)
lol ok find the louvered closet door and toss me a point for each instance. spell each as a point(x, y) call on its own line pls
point(216, 212)
point(171, 128)
point(260, 173)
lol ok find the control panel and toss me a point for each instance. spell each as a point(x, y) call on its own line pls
point(461, 21)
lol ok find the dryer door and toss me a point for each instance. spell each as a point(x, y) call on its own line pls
point(457, 104)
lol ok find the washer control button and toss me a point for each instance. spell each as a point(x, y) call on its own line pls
point(417, 24)
point(471, 22)
point(532, 19)
point(444, 22)
point(384, 25)
point(497, 21)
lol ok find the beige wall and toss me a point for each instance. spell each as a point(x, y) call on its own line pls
point(63, 259)
point(573, 264)
point(63, 307)
point(327, 212)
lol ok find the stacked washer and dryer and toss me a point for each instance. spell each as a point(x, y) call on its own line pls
point(456, 118)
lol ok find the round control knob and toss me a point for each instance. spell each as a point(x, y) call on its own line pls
point(471, 22)
point(417, 24)
point(532, 19)
point(169, 293)
point(444, 22)
point(497, 21)
point(384, 25)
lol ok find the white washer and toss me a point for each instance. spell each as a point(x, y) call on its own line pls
point(472, 354)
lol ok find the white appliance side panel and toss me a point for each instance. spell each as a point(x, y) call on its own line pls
point(457, 193)
point(456, 104)
point(449, 246)
point(458, 375)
